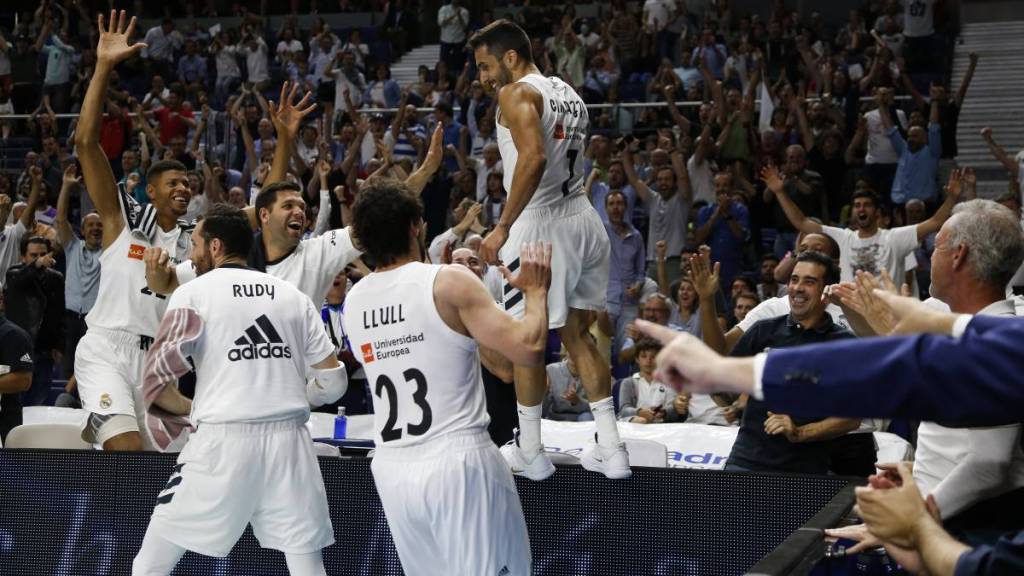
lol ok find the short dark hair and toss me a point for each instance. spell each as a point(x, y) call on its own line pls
point(268, 195)
point(770, 256)
point(815, 257)
point(382, 216)
point(614, 193)
point(26, 240)
point(746, 280)
point(231, 226)
point(501, 36)
point(445, 107)
point(865, 193)
point(647, 344)
point(158, 168)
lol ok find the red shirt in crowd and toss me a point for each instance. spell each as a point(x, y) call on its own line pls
point(114, 134)
point(171, 124)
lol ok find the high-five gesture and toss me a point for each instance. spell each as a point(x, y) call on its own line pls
point(286, 114)
point(113, 46)
point(534, 272)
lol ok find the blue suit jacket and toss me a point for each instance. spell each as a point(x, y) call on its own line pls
point(978, 379)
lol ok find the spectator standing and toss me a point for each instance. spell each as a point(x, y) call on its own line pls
point(257, 65)
point(626, 267)
point(57, 80)
point(161, 42)
point(805, 188)
point(192, 69)
point(25, 78)
point(768, 287)
point(918, 158)
point(225, 58)
point(453, 20)
point(359, 50)
point(175, 118)
point(383, 92)
point(769, 442)
point(725, 226)
point(12, 235)
point(881, 159)
point(34, 296)
point(82, 257)
point(868, 247)
point(668, 208)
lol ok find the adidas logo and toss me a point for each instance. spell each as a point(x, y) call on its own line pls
point(26, 358)
point(504, 571)
point(260, 340)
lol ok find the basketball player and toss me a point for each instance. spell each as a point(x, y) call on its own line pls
point(542, 127)
point(448, 495)
point(251, 337)
point(125, 318)
point(280, 216)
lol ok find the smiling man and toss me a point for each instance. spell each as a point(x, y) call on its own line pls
point(777, 442)
point(125, 318)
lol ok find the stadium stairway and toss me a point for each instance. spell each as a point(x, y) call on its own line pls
point(404, 70)
point(995, 99)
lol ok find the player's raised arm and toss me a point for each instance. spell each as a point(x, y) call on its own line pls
point(521, 107)
point(287, 118)
point(113, 47)
point(468, 307)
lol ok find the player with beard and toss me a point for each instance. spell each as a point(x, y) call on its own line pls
point(542, 128)
point(448, 495)
point(869, 247)
point(253, 340)
point(126, 315)
point(279, 215)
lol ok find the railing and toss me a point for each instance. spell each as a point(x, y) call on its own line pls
point(625, 105)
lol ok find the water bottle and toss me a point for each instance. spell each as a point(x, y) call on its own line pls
point(340, 424)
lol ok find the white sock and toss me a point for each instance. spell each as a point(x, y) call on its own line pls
point(604, 418)
point(311, 564)
point(529, 429)
point(156, 557)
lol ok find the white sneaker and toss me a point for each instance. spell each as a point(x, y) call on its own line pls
point(614, 464)
point(537, 469)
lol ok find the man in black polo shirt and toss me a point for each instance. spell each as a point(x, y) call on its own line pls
point(770, 442)
point(15, 372)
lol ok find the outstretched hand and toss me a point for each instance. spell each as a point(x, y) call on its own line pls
point(286, 114)
point(113, 46)
point(534, 268)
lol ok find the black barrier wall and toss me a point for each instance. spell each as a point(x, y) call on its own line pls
point(72, 513)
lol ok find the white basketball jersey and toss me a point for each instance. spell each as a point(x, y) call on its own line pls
point(256, 337)
point(424, 377)
point(123, 301)
point(564, 122)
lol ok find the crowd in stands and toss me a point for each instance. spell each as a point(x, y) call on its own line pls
point(778, 163)
point(763, 139)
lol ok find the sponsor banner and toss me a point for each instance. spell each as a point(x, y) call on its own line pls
point(688, 445)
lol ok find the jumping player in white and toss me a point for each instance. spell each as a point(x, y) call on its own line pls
point(124, 320)
point(251, 337)
point(542, 127)
point(448, 495)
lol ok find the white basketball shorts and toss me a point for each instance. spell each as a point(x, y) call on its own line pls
point(453, 507)
point(109, 366)
point(580, 255)
point(260, 473)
